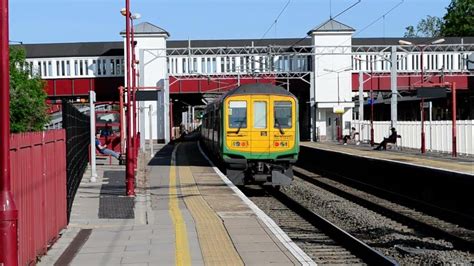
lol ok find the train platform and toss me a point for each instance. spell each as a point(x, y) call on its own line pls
point(185, 212)
point(442, 185)
point(445, 162)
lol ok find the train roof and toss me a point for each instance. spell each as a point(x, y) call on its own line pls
point(258, 88)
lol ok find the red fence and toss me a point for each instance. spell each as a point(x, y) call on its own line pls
point(38, 170)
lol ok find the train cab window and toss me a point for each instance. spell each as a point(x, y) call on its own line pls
point(237, 114)
point(260, 115)
point(282, 114)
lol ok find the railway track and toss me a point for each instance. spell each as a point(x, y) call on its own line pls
point(460, 238)
point(323, 241)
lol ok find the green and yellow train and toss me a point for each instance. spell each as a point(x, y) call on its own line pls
point(253, 130)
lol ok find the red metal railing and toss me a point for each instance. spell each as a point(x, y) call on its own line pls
point(38, 170)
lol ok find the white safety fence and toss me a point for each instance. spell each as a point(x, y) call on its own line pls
point(438, 134)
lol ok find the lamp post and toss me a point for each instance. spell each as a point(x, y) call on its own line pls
point(134, 89)
point(129, 172)
point(8, 210)
point(339, 127)
point(422, 48)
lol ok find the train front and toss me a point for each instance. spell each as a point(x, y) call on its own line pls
point(261, 137)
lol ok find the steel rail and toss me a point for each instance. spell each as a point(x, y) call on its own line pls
point(458, 242)
point(351, 243)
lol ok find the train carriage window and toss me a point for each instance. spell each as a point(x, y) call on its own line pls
point(260, 115)
point(282, 114)
point(237, 114)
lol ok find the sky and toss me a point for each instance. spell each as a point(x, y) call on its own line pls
point(56, 21)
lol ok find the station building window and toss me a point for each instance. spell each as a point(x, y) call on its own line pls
point(227, 64)
point(40, 72)
point(112, 66)
point(203, 65)
point(208, 65)
point(68, 68)
point(195, 65)
point(118, 69)
point(50, 69)
point(214, 65)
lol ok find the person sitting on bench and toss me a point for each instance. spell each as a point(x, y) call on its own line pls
point(103, 149)
point(391, 139)
point(351, 136)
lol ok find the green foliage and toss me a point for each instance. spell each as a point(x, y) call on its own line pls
point(459, 19)
point(27, 96)
point(410, 32)
point(427, 27)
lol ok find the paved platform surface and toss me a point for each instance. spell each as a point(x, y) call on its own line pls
point(463, 165)
point(185, 213)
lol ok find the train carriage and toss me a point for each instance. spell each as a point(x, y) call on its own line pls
point(253, 130)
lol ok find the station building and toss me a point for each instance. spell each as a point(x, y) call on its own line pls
point(337, 78)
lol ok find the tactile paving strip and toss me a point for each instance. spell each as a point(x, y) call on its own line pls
point(216, 245)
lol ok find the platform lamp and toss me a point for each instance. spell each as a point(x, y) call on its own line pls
point(422, 48)
point(129, 172)
point(133, 81)
point(338, 109)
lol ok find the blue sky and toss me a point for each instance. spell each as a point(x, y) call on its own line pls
point(50, 21)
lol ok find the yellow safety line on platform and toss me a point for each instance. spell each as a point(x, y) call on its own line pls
point(183, 256)
point(216, 246)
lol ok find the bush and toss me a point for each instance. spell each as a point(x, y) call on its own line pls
point(27, 96)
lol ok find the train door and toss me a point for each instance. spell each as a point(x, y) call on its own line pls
point(283, 128)
point(260, 135)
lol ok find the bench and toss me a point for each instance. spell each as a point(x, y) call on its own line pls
point(100, 155)
point(395, 146)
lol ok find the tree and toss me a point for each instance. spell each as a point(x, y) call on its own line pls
point(427, 27)
point(410, 32)
point(459, 19)
point(27, 96)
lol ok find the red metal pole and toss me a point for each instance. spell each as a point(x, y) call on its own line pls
point(372, 141)
point(423, 144)
point(8, 210)
point(453, 92)
point(371, 119)
point(130, 178)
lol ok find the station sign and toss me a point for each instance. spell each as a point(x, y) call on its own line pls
point(151, 95)
point(431, 92)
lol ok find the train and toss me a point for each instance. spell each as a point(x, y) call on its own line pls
point(253, 131)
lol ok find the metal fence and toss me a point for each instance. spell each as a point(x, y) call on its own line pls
point(438, 134)
point(38, 170)
point(77, 129)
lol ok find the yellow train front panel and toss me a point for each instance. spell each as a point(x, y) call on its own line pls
point(260, 124)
